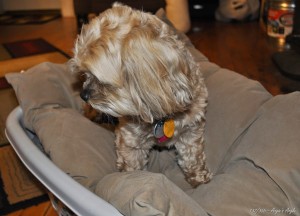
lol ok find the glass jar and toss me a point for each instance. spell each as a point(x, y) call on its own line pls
point(280, 18)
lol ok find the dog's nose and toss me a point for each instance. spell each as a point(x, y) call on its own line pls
point(85, 94)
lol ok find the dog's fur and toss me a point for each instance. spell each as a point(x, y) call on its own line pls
point(138, 70)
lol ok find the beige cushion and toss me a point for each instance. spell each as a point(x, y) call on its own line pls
point(46, 85)
point(233, 102)
point(51, 109)
point(144, 193)
point(76, 145)
point(261, 169)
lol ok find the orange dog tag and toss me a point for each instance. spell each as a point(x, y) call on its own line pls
point(169, 128)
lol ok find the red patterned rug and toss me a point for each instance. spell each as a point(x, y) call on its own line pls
point(28, 17)
point(18, 188)
point(24, 48)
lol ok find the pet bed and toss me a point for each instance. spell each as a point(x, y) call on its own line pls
point(62, 186)
point(252, 147)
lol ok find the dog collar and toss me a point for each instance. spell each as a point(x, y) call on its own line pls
point(164, 130)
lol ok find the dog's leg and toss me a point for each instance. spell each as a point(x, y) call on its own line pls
point(131, 154)
point(191, 159)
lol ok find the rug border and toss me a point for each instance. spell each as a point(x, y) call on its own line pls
point(9, 208)
point(35, 39)
point(54, 12)
point(3, 79)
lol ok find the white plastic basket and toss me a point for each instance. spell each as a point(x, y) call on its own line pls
point(74, 196)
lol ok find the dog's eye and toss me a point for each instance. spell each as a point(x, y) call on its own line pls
point(105, 86)
point(90, 80)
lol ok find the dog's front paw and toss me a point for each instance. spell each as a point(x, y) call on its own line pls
point(126, 165)
point(122, 165)
point(195, 179)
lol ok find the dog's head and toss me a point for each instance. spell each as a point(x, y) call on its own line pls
point(134, 65)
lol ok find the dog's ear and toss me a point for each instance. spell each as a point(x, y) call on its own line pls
point(157, 73)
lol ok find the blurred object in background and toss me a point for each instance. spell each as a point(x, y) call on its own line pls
point(288, 61)
point(237, 10)
point(204, 9)
point(177, 12)
point(67, 8)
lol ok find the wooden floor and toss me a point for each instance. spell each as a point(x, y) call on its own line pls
point(241, 47)
point(43, 209)
point(244, 48)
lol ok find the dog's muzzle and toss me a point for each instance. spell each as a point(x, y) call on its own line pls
point(85, 94)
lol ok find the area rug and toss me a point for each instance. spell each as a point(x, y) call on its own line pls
point(28, 17)
point(21, 55)
point(42, 209)
point(18, 188)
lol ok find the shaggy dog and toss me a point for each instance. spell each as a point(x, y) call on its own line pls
point(137, 69)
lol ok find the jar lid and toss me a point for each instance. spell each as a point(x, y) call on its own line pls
point(282, 4)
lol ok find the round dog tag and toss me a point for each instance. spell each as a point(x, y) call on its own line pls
point(158, 129)
point(169, 128)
